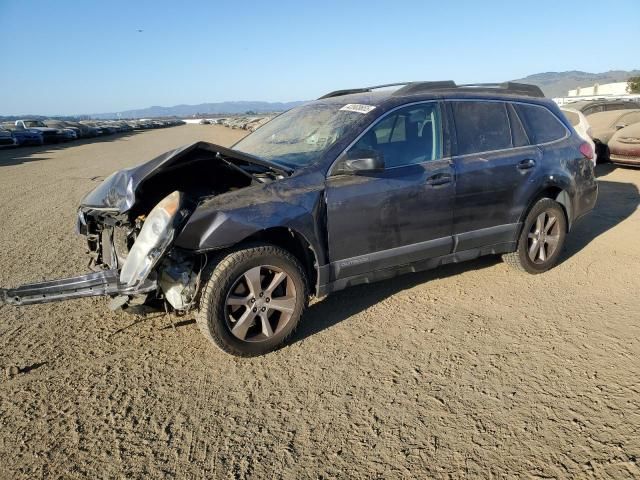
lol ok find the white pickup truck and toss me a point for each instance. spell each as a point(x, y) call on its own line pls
point(50, 135)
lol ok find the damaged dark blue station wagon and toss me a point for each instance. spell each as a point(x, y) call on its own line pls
point(357, 186)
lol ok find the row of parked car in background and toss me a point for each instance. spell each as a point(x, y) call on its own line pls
point(40, 132)
point(251, 123)
point(612, 126)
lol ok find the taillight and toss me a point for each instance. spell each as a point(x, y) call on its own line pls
point(586, 150)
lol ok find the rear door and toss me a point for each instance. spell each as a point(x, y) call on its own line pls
point(402, 214)
point(493, 161)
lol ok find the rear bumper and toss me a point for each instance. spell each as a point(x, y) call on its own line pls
point(94, 284)
point(583, 204)
point(625, 159)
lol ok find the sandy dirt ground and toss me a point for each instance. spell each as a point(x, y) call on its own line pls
point(472, 370)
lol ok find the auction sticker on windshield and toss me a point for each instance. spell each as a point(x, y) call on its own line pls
point(357, 107)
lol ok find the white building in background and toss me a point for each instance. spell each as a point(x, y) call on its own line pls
point(606, 90)
point(617, 89)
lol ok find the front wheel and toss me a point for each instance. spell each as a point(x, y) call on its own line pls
point(253, 300)
point(542, 238)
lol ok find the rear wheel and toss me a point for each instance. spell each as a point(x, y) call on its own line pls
point(542, 238)
point(253, 300)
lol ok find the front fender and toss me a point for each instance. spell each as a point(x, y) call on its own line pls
point(225, 220)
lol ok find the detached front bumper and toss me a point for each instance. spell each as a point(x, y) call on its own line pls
point(94, 284)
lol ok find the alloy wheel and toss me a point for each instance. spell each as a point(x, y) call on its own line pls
point(260, 303)
point(543, 237)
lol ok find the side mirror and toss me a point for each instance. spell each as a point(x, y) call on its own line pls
point(357, 162)
point(620, 126)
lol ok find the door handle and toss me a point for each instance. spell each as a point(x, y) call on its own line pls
point(527, 164)
point(439, 179)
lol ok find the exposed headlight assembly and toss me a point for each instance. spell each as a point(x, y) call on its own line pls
point(155, 236)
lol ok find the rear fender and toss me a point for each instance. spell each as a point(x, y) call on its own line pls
point(557, 189)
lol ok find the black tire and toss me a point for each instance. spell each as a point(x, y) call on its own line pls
point(522, 259)
point(602, 150)
point(215, 317)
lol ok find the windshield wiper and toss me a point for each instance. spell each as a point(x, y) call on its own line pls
point(235, 167)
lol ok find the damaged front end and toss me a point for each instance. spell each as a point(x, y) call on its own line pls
point(133, 247)
point(130, 222)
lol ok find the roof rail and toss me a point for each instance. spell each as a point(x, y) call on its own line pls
point(410, 88)
point(417, 87)
point(507, 87)
point(339, 93)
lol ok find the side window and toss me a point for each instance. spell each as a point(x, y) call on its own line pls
point(518, 134)
point(541, 125)
point(481, 126)
point(408, 136)
point(595, 109)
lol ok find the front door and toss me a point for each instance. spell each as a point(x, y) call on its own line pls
point(402, 214)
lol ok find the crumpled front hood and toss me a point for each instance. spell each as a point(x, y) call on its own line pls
point(117, 192)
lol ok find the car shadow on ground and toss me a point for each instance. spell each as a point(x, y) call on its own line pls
point(346, 303)
point(616, 202)
point(19, 155)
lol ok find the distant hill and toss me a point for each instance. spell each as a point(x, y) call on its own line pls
point(557, 84)
point(202, 109)
point(553, 84)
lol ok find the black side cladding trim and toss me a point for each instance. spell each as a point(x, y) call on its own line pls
point(418, 266)
point(405, 254)
point(389, 258)
point(487, 236)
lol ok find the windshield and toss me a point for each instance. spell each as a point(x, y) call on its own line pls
point(34, 123)
point(301, 135)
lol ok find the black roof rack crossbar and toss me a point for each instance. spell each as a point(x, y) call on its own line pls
point(339, 93)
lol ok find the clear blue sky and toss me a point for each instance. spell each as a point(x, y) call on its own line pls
point(66, 56)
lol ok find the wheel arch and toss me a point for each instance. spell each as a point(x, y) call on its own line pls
point(295, 243)
point(554, 192)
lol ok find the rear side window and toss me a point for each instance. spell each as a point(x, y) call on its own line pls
point(518, 133)
point(591, 110)
point(481, 126)
point(542, 126)
point(615, 106)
